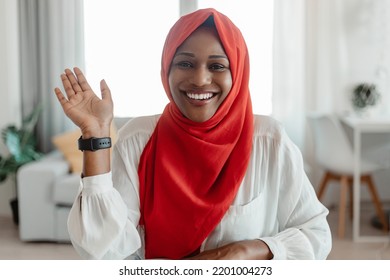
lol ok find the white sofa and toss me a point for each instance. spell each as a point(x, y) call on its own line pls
point(46, 191)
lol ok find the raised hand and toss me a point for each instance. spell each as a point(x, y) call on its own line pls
point(93, 115)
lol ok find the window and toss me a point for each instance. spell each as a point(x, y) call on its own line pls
point(124, 40)
point(123, 45)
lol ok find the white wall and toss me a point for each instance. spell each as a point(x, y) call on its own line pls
point(367, 42)
point(367, 26)
point(9, 84)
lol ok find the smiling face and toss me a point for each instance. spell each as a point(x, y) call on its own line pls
point(199, 77)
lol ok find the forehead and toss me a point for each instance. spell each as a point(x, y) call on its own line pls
point(203, 39)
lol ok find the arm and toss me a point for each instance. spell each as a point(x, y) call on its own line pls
point(100, 225)
point(90, 113)
point(241, 250)
point(303, 229)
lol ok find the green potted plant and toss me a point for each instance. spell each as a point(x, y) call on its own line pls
point(21, 145)
point(364, 95)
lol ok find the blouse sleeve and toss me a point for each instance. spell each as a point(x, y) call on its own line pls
point(98, 225)
point(104, 217)
point(304, 232)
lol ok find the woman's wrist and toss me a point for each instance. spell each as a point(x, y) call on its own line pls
point(259, 250)
point(96, 162)
point(241, 250)
point(97, 131)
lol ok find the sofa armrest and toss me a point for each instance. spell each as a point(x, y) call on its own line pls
point(35, 182)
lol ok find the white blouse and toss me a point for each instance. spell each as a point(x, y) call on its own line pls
point(275, 202)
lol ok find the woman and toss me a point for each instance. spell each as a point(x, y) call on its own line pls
point(206, 179)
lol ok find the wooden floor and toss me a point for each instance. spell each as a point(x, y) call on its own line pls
point(346, 249)
point(11, 248)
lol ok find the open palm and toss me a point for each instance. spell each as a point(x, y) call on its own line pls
point(82, 105)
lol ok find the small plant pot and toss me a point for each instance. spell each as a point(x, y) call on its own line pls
point(364, 99)
point(15, 210)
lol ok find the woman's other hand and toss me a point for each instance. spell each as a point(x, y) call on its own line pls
point(93, 115)
point(241, 250)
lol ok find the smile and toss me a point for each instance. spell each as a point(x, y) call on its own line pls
point(201, 96)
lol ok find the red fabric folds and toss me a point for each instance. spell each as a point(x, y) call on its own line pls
point(190, 172)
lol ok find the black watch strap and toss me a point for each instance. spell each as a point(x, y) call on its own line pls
point(94, 144)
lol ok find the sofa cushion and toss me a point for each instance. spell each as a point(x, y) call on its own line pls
point(67, 144)
point(66, 189)
point(61, 230)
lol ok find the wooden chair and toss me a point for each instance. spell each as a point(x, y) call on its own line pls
point(334, 154)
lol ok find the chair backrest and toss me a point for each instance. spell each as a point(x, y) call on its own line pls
point(332, 147)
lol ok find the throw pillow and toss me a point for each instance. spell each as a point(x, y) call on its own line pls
point(66, 143)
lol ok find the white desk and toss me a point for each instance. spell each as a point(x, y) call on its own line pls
point(360, 126)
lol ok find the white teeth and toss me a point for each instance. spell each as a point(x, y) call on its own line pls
point(201, 96)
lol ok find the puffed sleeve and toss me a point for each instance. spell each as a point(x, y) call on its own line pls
point(98, 223)
point(103, 221)
point(304, 232)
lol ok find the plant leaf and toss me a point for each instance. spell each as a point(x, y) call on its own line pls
point(21, 144)
point(12, 140)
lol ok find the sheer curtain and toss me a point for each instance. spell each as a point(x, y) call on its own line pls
point(288, 96)
point(125, 50)
point(310, 68)
point(310, 63)
point(51, 40)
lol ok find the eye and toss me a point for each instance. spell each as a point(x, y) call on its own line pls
point(217, 67)
point(184, 64)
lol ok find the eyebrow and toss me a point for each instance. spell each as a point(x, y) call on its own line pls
point(215, 56)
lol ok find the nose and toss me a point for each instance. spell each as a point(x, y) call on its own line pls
point(201, 76)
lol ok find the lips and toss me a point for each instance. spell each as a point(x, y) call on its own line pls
point(199, 96)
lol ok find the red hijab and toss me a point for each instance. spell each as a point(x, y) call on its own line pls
point(189, 172)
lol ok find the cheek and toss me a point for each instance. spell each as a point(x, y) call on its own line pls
point(227, 83)
point(171, 83)
point(173, 87)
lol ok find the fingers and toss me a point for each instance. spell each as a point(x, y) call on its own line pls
point(76, 83)
point(81, 79)
point(61, 98)
point(106, 93)
point(67, 86)
point(73, 81)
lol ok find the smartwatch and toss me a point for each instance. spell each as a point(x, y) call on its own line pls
point(94, 144)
